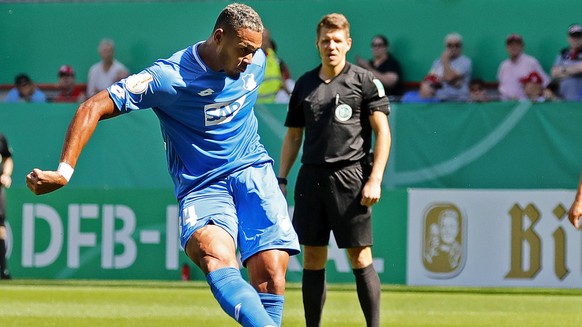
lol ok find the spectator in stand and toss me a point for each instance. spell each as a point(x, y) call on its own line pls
point(533, 87)
point(453, 70)
point(516, 67)
point(273, 81)
point(68, 90)
point(107, 71)
point(477, 91)
point(25, 91)
point(426, 92)
point(568, 65)
point(552, 91)
point(384, 66)
point(284, 93)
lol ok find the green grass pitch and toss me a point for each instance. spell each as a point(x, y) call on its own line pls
point(83, 303)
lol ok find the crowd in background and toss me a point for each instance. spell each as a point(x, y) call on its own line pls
point(519, 77)
point(449, 79)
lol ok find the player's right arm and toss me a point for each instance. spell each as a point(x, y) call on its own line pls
point(575, 211)
point(78, 134)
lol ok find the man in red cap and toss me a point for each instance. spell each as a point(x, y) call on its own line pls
point(516, 67)
point(426, 92)
point(533, 87)
point(69, 91)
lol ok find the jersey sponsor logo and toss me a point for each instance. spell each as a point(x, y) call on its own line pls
point(138, 83)
point(205, 92)
point(343, 112)
point(223, 112)
point(249, 82)
point(380, 87)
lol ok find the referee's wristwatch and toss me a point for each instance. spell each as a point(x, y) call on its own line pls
point(282, 180)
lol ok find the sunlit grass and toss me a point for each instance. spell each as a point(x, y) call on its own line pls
point(151, 303)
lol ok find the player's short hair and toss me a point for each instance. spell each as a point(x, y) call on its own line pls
point(239, 16)
point(334, 21)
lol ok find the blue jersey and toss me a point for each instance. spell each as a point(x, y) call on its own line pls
point(207, 118)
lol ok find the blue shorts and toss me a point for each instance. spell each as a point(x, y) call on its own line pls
point(248, 205)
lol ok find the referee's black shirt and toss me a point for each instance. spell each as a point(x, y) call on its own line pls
point(335, 116)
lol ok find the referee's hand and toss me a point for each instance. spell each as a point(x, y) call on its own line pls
point(283, 188)
point(371, 193)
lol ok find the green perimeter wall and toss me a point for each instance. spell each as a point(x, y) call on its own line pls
point(39, 37)
point(116, 218)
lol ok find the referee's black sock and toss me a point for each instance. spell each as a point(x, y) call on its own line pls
point(369, 291)
point(314, 293)
point(3, 268)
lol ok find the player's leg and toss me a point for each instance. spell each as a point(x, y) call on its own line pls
point(3, 266)
point(314, 286)
point(367, 283)
point(4, 274)
point(353, 230)
point(208, 224)
point(312, 226)
point(266, 236)
point(267, 275)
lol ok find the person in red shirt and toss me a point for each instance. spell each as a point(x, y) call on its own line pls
point(68, 90)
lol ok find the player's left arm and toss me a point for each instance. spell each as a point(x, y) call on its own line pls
point(373, 188)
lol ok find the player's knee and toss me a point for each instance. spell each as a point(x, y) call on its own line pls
point(360, 257)
point(314, 257)
point(210, 251)
point(267, 271)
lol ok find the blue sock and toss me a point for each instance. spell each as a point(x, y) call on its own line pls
point(238, 298)
point(273, 303)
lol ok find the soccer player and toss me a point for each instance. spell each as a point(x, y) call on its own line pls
point(337, 106)
point(224, 180)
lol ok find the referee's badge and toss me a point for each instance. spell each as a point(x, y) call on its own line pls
point(343, 112)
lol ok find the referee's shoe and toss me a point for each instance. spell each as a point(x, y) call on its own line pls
point(5, 275)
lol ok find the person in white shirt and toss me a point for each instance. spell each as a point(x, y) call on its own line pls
point(107, 71)
point(453, 69)
point(513, 69)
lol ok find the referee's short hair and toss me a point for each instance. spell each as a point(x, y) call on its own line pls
point(334, 21)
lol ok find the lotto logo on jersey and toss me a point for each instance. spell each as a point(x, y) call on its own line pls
point(222, 112)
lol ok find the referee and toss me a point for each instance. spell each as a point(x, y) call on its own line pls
point(6, 168)
point(337, 106)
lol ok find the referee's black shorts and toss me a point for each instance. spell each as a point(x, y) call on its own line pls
point(2, 206)
point(328, 199)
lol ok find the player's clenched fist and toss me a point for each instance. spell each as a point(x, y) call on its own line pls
point(574, 213)
point(41, 182)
